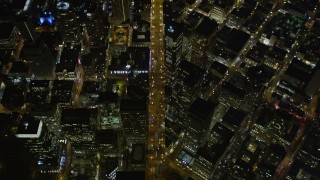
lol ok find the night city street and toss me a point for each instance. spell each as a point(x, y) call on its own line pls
point(159, 89)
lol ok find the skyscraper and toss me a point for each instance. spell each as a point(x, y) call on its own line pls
point(37, 139)
point(173, 44)
point(134, 117)
point(26, 28)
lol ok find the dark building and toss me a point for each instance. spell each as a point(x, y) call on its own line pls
point(313, 85)
point(16, 161)
point(259, 75)
point(138, 153)
point(202, 111)
point(38, 98)
point(187, 88)
point(26, 28)
point(247, 158)
point(236, 40)
point(7, 121)
point(10, 8)
point(78, 125)
point(233, 118)
point(38, 92)
point(310, 150)
point(40, 60)
point(209, 154)
point(141, 80)
point(300, 170)
point(5, 60)
point(167, 10)
point(108, 97)
point(257, 53)
point(67, 22)
point(8, 35)
point(218, 69)
point(20, 68)
point(268, 165)
point(90, 93)
point(61, 91)
point(37, 139)
point(135, 8)
point(134, 116)
point(206, 27)
point(136, 92)
point(14, 93)
point(238, 17)
point(137, 158)
point(106, 138)
point(124, 175)
point(66, 67)
point(75, 116)
point(172, 9)
point(199, 114)
point(94, 64)
point(232, 39)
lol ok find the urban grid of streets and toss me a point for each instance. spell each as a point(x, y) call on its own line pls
point(265, 95)
point(158, 156)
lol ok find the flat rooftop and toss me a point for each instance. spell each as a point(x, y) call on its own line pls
point(138, 154)
point(6, 29)
point(29, 127)
point(133, 105)
point(75, 116)
point(202, 109)
point(125, 175)
point(207, 27)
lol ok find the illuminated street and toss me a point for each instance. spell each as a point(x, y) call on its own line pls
point(156, 104)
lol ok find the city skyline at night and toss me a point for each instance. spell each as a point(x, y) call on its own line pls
point(159, 89)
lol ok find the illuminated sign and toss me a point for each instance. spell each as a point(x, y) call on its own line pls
point(171, 29)
point(46, 19)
